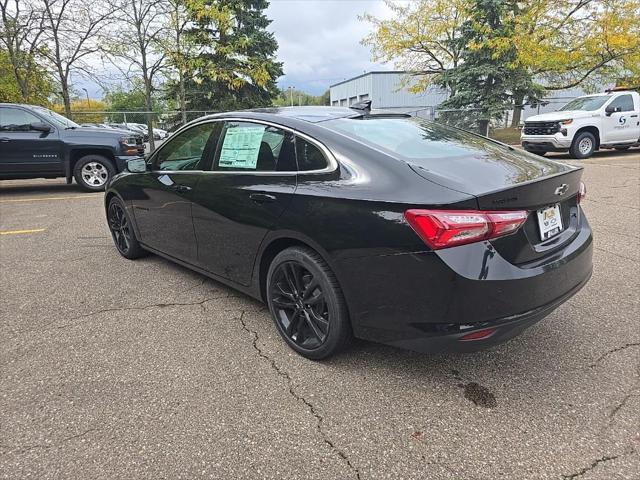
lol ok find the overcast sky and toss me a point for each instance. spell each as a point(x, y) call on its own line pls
point(319, 42)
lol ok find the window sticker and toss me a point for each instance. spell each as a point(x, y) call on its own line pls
point(241, 147)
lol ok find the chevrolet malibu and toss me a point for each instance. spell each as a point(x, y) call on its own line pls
point(353, 222)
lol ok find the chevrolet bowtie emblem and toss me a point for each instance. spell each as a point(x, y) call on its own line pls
point(562, 189)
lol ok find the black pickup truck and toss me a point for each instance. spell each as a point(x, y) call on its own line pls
point(38, 143)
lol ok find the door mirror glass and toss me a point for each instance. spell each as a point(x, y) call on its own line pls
point(40, 127)
point(137, 165)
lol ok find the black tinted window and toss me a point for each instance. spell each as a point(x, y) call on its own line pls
point(188, 150)
point(16, 120)
point(255, 147)
point(309, 156)
point(625, 102)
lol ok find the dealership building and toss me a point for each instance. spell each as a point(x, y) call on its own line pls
point(391, 90)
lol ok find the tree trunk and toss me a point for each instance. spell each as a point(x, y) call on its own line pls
point(518, 99)
point(65, 98)
point(149, 107)
point(183, 100)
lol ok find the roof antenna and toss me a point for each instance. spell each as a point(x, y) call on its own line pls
point(364, 106)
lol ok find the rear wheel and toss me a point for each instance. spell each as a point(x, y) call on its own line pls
point(583, 145)
point(307, 304)
point(122, 231)
point(93, 172)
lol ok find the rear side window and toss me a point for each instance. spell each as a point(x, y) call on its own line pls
point(413, 139)
point(625, 102)
point(309, 156)
point(16, 120)
point(247, 146)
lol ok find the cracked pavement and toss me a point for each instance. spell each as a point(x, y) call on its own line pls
point(118, 369)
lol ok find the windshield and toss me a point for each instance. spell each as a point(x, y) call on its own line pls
point(56, 118)
point(586, 103)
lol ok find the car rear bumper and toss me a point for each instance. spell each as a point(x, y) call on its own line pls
point(427, 301)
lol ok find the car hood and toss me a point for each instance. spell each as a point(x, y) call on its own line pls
point(84, 132)
point(557, 116)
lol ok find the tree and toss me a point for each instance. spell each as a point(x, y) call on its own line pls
point(121, 100)
point(138, 41)
point(548, 45)
point(179, 50)
point(574, 43)
point(37, 81)
point(234, 66)
point(73, 28)
point(422, 37)
point(288, 96)
point(486, 77)
point(20, 37)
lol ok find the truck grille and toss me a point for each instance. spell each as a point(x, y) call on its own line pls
point(541, 128)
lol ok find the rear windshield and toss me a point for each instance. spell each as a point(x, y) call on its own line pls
point(586, 103)
point(412, 138)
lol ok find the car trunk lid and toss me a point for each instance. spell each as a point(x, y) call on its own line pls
point(505, 179)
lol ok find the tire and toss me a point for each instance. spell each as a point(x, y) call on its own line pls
point(621, 149)
point(93, 172)
point(122, 232)
point(583, 145)
point(307, 304)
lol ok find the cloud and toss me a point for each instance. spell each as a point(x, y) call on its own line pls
point(319, 40)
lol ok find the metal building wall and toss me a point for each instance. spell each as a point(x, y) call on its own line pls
point(351, 89)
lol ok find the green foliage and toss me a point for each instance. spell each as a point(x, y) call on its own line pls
point(36, 82)
point(235, 64)
point(120, 100)
point(285, 97)
point(484, 83)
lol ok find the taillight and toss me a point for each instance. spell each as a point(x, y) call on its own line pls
point(582, 192)
point(448, 228)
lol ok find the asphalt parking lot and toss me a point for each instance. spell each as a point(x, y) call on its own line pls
point(118, 369)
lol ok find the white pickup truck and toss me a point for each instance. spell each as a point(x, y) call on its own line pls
point(586, 124)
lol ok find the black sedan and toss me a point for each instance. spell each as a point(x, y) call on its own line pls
point(351, 222)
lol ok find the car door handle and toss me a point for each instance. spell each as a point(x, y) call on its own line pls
point(262, 198)
point(181, 188)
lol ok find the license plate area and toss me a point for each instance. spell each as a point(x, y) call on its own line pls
point(549, 221)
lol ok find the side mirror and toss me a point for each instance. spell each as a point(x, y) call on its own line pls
point(40, 127)
point(137, 165)
point(611, 109)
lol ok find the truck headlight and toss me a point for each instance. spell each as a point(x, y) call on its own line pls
point(568, 121)
point(128, 141)
point(129, 145)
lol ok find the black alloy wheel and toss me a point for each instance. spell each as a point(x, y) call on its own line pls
point(307, 304)
point(122, 232)
point(300, 305)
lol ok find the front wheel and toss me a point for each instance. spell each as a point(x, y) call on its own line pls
point(122, 231)
point(93, 172)
point(307, 304)
point(583, 145)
